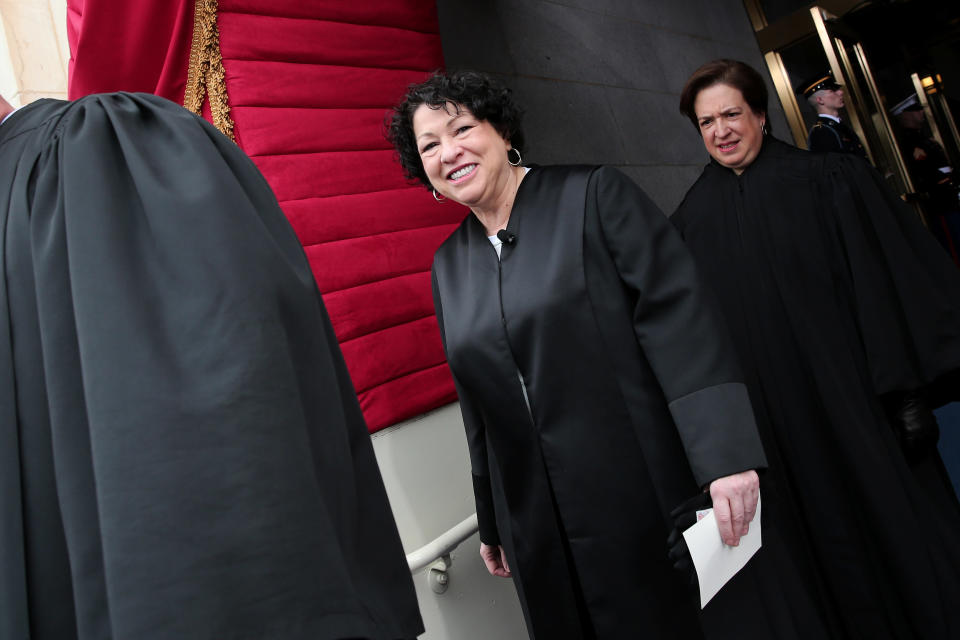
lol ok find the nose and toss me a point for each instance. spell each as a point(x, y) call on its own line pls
point(720, 128)
point(449, 150)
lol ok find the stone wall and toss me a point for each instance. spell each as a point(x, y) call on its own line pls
point(33, 50)
point(601, 79)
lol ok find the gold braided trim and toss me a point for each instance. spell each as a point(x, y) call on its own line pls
point(206, 76)
point(193, 96)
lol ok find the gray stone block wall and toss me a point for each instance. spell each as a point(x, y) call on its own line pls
point(601, 79)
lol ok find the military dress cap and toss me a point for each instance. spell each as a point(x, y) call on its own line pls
point(818, 83)
point(910, 103)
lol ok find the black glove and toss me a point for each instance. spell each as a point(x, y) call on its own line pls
point(913, 423)
point(684, 517)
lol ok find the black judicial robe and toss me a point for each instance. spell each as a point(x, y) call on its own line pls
point(835, 294)
point(181, 451)
point(635, 401)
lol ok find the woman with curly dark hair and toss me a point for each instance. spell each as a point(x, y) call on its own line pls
point(597, 388)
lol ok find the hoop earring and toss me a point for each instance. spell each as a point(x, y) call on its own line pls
point(519, 157)
point(438, 197)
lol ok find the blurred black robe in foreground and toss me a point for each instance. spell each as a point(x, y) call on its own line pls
point(181, 451)
point(836, 294)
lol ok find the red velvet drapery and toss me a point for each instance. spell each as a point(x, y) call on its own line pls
point(308, 85)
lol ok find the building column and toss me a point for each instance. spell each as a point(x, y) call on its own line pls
point(33, 50)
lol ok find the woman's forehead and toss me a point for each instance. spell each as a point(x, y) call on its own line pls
point(429, 116)
point(718, 97)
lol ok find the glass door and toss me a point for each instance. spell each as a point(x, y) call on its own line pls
point(939, 118)
point(866, 109)
point(810, 41)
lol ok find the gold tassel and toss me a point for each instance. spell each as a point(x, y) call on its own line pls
point(205, 76)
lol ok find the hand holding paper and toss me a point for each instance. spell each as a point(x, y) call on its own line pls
point(714, 561)
point(735, 503)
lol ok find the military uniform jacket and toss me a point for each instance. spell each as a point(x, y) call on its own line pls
point(181, 451)
point(829, 135)
point(635, 400)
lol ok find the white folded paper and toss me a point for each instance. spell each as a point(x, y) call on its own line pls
point(714, 561)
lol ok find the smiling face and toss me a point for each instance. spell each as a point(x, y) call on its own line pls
point(464, 158)
point(732, 132)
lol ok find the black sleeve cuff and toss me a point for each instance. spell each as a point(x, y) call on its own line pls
point(718, 431)
point(485, 515)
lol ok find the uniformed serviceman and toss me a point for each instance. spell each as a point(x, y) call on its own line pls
point(934, 180)
point(829, 133)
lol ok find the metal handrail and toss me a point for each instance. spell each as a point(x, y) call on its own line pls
point(442, 545)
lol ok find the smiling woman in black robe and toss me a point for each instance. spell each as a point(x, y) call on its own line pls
point(597, 387)
point(843, 310)
point(181, 451)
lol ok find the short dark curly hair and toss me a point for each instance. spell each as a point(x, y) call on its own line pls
point(484, 97)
